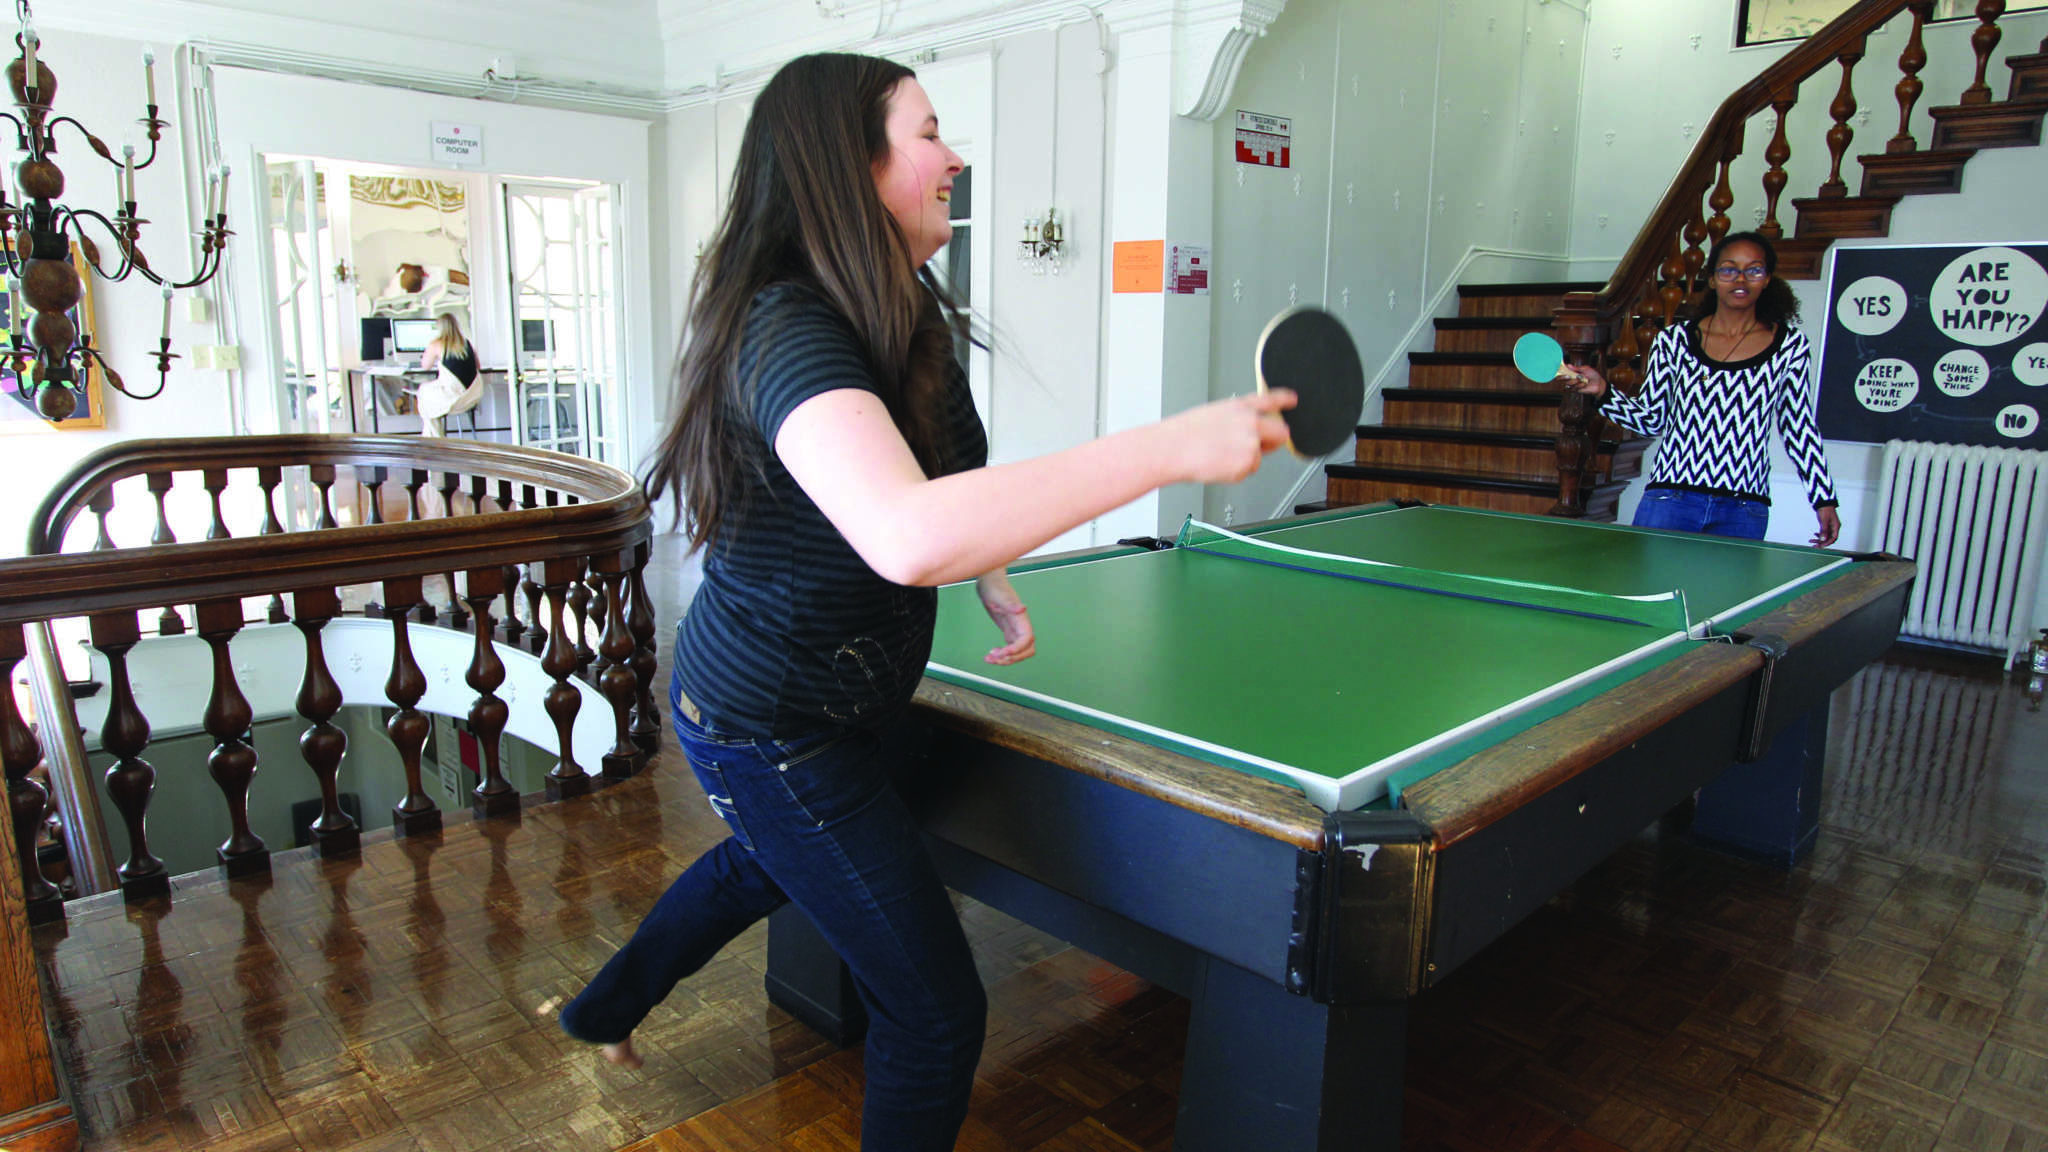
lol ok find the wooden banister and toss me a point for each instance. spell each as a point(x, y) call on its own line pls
point(1723, 140)
point(1665, 262)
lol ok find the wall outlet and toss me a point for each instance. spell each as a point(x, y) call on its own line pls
point(198, 309)
point(1229, 515)
point(217, 357)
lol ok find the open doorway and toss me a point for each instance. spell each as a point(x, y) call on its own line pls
point(365, 261)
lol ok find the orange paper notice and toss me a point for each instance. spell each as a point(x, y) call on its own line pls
point(1140, 266)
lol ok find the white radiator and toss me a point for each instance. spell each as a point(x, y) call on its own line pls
point(1976, 520)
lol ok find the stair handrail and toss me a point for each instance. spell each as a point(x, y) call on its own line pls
point(1666, 259)
point(1722, 140)
point(609, 511)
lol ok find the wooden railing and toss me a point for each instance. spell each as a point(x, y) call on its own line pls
point(1666, 263)
point(551, 552)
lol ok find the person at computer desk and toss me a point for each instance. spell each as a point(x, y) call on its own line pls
point(452, 359)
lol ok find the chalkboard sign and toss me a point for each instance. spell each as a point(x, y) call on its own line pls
point(1942, 343)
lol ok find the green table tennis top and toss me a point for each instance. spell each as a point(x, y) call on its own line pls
point(1345, 688)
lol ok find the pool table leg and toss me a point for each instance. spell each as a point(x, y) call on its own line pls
point(1278, 1072)
point(807, 979)
point(1769, 808)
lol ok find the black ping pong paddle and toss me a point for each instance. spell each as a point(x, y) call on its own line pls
point(1309, 351)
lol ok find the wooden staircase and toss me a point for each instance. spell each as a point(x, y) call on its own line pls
point(1468, 429)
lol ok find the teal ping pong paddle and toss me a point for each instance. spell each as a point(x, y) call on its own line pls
point(1539, 357)
point(1310, 352)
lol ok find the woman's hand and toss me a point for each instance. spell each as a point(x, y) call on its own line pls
point(1007, 609)
point(1584, 379)
point(1830, 526)
point(1222, 442)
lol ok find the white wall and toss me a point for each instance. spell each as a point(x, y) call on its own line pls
point(1425, 138)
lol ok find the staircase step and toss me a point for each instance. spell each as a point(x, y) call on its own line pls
point(1485, 333)
point(1998, 124)
point(1357, 484)
point(1801, 257)
point(1479, 371)
point(1838, 217)
point(1491, 455)
point(2029, 76)
point(1914, 173)
point(1476, 410)
point(1535, 299)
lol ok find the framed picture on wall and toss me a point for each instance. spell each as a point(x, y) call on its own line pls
point(1776, 21)
point(18, 408)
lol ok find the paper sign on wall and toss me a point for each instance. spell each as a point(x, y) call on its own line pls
point(1264, 140)
point(1939, 342)
point(1187, 270)
point(1140, 266)
point(459, 145)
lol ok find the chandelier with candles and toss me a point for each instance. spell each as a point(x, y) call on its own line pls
point(36, 234)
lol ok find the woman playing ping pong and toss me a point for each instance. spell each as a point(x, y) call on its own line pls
point(828, 455)
point(1712, 387)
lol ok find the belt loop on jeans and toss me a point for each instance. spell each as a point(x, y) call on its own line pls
point(688, 709)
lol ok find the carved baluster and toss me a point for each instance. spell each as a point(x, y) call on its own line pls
point(1984, 41)
point(232, 763)
point(1844, 106)
point(1778, 151)
point(580, 598)
point(215, 481)
point(1621, 355)
point(458, 616)
point(408, 727)
point(102, 505)
point(614, 671)
point(478, 485)
point(168, 622)
point(322, 744)
point(373, 479)
point(1911, 61)
point(322, 478)
point(1671, 287)
point(647, 717)
point(537, 637)
point(513, 629)
point(268, 477)
point(493, 795)
point(160, 487)
point(1695, 257)
point(27, 800)
point(413, 484)
point(125, 734)
point(1720, 200)
point(559, 662)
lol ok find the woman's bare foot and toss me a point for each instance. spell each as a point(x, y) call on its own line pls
point(622, 1054)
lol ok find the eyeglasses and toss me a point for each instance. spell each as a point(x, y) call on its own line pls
point(1729, 272)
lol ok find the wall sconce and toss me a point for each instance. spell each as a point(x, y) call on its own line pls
point(1044, 246)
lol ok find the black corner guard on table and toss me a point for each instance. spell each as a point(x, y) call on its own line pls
point(1357, 935)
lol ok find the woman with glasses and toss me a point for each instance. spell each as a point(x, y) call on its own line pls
point(1712, 387)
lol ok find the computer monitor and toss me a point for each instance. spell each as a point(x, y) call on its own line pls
point(536, 335)
point(376, 330)
point(410, 337)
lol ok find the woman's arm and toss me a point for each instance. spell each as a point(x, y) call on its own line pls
point(847, 455)
point(431, 356)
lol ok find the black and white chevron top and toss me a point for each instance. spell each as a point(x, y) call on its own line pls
point(1715, 417)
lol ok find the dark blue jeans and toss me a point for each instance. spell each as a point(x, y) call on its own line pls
point(819, 822)
point(1682, 511)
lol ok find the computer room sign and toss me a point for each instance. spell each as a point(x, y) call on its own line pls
point(1941, 343)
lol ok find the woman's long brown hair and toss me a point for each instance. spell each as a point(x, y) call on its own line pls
point(803, 209)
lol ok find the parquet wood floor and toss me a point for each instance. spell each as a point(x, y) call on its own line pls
point(1890, 994)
